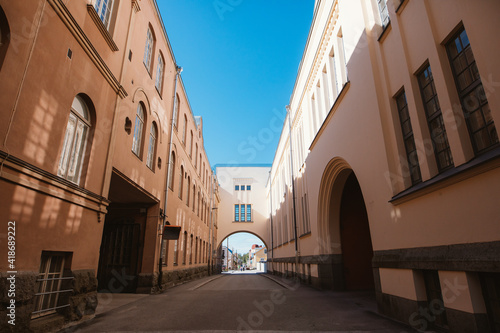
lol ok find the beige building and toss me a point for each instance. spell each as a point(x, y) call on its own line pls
point(100, 150)
point(242, 190)
point(395, 160)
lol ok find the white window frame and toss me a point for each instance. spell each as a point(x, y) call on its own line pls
point(151, 147)
point(148, 52)
point(75, 142)
point(159, 74)
point(138, 129)
point(104, 9)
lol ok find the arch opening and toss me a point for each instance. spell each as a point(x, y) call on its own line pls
point(242, 251)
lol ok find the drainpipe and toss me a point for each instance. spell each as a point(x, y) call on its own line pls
point(211, 224)
point(289, 111)
point(178, 70)
point(271, 215)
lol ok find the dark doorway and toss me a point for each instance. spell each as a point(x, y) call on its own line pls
point(357, 251)
point(119, 256)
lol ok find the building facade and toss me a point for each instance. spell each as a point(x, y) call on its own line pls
point(100, 150)
point(242, 208)
point(395, 158)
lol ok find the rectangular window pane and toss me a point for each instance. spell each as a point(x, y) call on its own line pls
point(249, 187)
point(242, 213)
point(236, 213)
point(435, 122)
point(249, 213)
point(481, 127)
point(236, 187)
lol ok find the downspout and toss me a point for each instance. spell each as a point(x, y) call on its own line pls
point(289, 111)
point(211, 222)
point(178, 70)
point(271, 216)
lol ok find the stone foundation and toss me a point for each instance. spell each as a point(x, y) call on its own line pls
point(82, 301)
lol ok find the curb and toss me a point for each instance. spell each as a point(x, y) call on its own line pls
point(206, 282)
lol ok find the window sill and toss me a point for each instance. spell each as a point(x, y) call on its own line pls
point(104, 32)
point(385, 31)
point(481, 164)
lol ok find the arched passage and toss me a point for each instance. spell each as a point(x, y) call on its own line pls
point(247, 246)
point(344, 229)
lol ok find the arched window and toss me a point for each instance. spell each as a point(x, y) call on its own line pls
point(191, 146)
point(184, 131)
point(150, 46)
point(184, 250)
point(191, 250)
point(194, 196)
point(171, 169)
point(4, 36)
point(181, 182)
point(138, 129)
point(75, 141)
point(188, 190)
point(198, 211)
point(152, 146)
point(175, 117)
point(159, 73)
point(196, 156)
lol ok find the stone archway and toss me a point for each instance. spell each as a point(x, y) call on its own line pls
point(345, 234)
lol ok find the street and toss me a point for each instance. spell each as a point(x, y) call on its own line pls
point(245, 301)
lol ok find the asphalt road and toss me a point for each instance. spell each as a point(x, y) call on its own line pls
point(250, 302)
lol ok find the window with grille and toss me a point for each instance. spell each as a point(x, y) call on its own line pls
point(435, 121)
point(75, 141)
point(151, 147)
point(384, 12)
point(104, 9)
point(138, 129)
point(475, 105)
point(409, 141)
point(236, 213)
point(249, 213)
point(52, 289)
point(148, 51)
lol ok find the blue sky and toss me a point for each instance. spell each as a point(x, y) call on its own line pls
point(240, 61)
point(242, 242)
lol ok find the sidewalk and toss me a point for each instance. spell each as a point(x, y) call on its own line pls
point(109, 301)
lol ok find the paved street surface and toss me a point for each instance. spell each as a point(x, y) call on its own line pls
point(242, 301)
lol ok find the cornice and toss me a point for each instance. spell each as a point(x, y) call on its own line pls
point(70, 22)
point(104, 32)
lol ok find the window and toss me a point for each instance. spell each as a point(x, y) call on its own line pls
point(181, 182)
point(148, 52)
point(435, 299)
point(242, 210)
point(139, 124)
point(435, 122)
point(199, 198)
point(175, 117)
point(171, 169)
point(196, 156)
point(159, 74)
point(184, 250)
point(151, 147)
point(75, 141)
point(4, 36)
point(191, 146)
point(409, 141)
point(194, 196)
point(188, 189)
point(490, 283)
point(191, 250)
point(249, 187)
point(184, 131)
point(236, 213)
point(52, 287)
point(236, 187)
point(249, 213)
point(104, 9)
point(475, 106)
point(384, 13)
point(242, 187)
point(176, 252)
